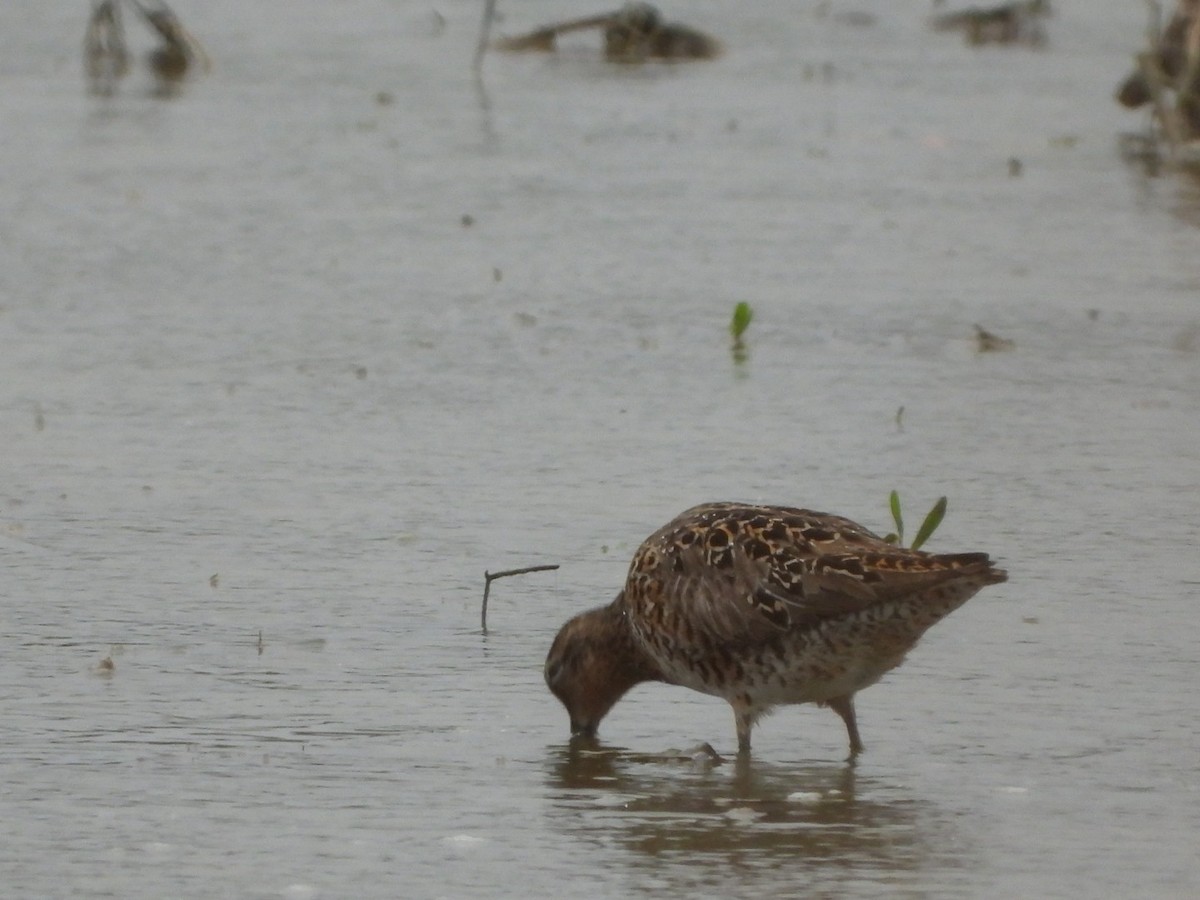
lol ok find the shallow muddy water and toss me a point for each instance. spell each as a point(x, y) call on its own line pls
point(289, 360)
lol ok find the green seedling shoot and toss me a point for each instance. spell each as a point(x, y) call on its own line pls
point(932, 520)
point(742, 314)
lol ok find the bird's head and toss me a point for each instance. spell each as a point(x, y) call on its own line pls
point(592, 663)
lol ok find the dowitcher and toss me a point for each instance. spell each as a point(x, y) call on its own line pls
point(763, 606)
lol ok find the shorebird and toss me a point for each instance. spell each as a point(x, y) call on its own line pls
point(762, 606)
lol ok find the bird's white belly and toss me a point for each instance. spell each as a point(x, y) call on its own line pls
point(817, 684)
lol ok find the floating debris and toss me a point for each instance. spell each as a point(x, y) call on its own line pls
point(544, 39)
point(986, 342)
point(1167, 77)
point(1012, 23)
point(179, 51)
point(106, 666)
point(701, 757)
point(635, 33)
point(106, 57)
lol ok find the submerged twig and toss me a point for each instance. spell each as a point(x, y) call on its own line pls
point(489, 577)
point(485, 33)
point(105, 56)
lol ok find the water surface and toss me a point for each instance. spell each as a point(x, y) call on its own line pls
point(260, 377)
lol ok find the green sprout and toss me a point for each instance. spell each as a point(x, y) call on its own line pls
point(742, 315)
point(932, 520)
point(897, 536)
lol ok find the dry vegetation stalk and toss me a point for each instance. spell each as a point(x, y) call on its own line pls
point(1170, 73)
point(489, 577)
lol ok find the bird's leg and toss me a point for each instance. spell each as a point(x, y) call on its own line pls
point(844, 707)
point(744, 717)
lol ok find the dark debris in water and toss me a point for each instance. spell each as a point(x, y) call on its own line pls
point(986, 342)
point(702, 756)
point(1166, 78)
point(106, 54)
point(1011, 23)
point(635, 33)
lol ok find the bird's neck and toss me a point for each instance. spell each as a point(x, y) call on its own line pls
point(628, 654)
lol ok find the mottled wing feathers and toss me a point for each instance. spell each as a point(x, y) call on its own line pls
point(746, 573)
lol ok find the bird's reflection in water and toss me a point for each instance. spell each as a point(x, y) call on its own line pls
point(825, 821)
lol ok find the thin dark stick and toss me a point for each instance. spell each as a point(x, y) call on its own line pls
point(489, 577)
point(485, 34)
